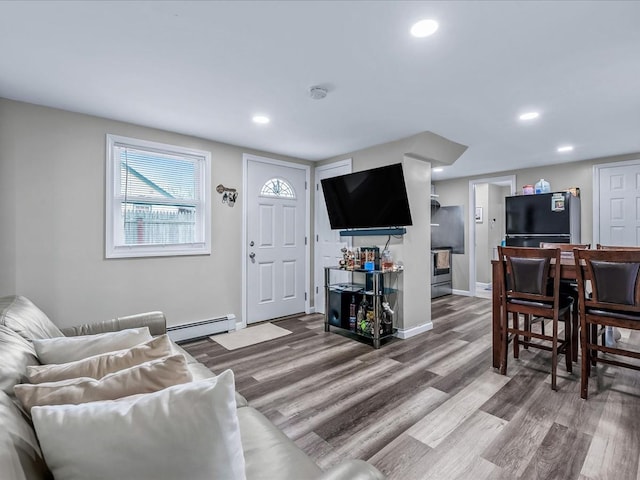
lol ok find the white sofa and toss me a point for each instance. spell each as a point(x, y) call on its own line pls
point(269, 454)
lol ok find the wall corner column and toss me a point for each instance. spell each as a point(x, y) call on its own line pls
point(416, 251)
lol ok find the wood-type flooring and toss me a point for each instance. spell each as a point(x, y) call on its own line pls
point(432, 407)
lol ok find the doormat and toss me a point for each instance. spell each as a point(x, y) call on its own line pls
point(250, 336)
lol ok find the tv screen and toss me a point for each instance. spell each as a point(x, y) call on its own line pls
point(375, 198)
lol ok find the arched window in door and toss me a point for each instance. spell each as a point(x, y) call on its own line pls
point(277, 187)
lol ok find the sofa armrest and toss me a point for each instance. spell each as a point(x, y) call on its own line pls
point(352, 470)
point(156, 322)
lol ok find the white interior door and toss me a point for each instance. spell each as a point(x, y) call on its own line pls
point(328, 242)
point(617, 204)
point(275, 243)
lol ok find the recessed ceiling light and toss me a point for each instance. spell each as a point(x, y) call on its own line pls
point(424, 28)
point(260, 119)
point(438, 169)
point(529, 116)
point(565, 148)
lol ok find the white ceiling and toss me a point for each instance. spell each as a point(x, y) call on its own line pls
point(205, 68)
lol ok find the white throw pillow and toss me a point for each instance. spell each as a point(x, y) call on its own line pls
point(98, 366)
point(188, 431)
point(144, 378)
point(70, 349)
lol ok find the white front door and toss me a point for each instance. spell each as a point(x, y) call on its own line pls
point(275, 242)
point(618, 204)
point(328, 242)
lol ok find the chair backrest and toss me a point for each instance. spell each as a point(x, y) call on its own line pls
point(526, 274)
point(566, 247)
point(614, 277)
point(614, 247)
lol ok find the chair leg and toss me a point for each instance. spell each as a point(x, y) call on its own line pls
point(542, 327)
point(516, 338)
point(505, 342)
point(568, 338)
point(527, 327)
point(585, 361)
point(554, 355)
point(593, 354)
point(575, 330)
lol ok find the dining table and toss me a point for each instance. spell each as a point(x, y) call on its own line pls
point(567, 272)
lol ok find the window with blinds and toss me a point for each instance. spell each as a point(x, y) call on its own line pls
point(158, 200)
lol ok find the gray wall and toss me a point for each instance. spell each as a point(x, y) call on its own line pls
point(52, 189)
point(563, 176)
point(8, 204)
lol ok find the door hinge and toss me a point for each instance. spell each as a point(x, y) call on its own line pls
point(316, 290)
point(317, 187)
point(317, 237)
point(305, 184)
point(305, 240)
point(305, 295)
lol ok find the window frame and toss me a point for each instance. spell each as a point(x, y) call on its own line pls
point(114, 246)
point(290, 188)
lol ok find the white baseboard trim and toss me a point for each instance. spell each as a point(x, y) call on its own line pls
point(201, 329)
point(465, 293)
point(412, 332)
point(482, 286)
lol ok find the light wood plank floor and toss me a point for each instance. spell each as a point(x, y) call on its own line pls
point(432, 407)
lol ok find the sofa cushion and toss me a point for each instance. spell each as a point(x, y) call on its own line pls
point(188, 431)
point(98, 366)
point(145, 378)
point(16, 353)
point(70, 349)
point(269, 453)
point(20, 456)
point(23, 317)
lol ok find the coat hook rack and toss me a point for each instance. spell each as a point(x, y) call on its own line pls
point(229, 195)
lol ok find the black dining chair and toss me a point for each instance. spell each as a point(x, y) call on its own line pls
point(570, 287)
point(613, 301)
point(530, 286)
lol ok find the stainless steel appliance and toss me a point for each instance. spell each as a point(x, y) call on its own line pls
point(441, 271)
point(447, 228)
point(546, 217)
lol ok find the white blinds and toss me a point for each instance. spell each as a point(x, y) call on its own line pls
point(160, 194)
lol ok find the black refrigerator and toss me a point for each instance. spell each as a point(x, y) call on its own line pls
point(545, 217)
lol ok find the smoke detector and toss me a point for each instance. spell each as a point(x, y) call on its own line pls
point(318, 93)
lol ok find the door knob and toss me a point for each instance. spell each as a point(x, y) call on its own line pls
point(251, 244)
point(252, 255)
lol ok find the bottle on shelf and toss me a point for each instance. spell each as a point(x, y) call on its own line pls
point(352, 313)
point(361, 319)
point(387, 261)
point(386, 325)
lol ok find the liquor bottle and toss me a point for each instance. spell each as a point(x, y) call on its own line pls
point(361, 320)
point(386, 326)
point(358, 262)
point(352, 314)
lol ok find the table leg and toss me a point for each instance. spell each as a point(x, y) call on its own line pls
point(496, 313)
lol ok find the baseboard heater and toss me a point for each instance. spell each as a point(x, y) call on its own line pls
point(204, 328)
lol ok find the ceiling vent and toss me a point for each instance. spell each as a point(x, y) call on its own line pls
point(318, 93)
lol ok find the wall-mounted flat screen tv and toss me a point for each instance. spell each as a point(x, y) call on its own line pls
point(375, 198)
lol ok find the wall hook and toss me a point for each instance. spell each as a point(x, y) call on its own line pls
point(229, 195)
